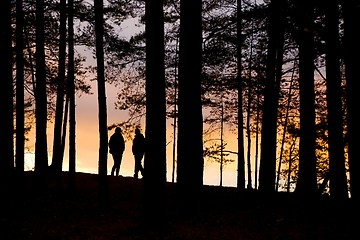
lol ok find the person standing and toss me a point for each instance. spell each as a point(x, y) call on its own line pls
point(138, 150)
point(116, 148)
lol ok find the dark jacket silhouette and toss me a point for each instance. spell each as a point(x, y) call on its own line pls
point(138, 150)
point(116, 148)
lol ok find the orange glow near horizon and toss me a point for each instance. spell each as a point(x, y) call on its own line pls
point(87, 144)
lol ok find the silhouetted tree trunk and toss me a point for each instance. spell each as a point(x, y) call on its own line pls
point(248, 112)
point(267, 171)
point(41, 157)
point(57, 159)
point(64, 127)
point(20, 121)
point(190, 142)
point(306, 183)
point(175, 113)
point(352, 63)
point(278, 77)
point(155, 154)
point(6, 98)
point(338, 181)
point(71, 96)
point(284, 131)
point(103, 149)
point(222, 141)
point(241, 154)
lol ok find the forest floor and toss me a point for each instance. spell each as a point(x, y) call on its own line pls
point(224, 214)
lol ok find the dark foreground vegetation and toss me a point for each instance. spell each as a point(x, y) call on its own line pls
point(224, 214)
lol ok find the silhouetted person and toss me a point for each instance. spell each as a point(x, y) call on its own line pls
point(116, 148)
point(138, 150)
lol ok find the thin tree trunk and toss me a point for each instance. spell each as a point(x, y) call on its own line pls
point(241, 153)
point(41, 157)
point(71, 96)
point(352, 63)
point(256, 180)
point(222, 142)
point(20, 116)
point(284, 131)
point(175, 114)
point(290, 164)
point(99, 32)
point(64, 130)
point(56, 158)
point(248, 131)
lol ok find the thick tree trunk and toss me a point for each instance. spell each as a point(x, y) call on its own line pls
point(267, 171)
point(155, 153)
point(190, 142)
point(306, 183)
point(6, 97)
point(338, 181)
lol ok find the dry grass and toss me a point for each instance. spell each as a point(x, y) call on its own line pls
point(224, 214)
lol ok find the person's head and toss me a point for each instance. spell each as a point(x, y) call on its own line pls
point(117, 130)
point(137, 131)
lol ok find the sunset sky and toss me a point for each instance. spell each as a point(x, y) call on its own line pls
point(87, 143)
point(87, 133)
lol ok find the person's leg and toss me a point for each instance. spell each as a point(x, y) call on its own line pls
point(136, 169)
point(116, 165)
point(113, 167)
point(119, 163)
point(138, 166)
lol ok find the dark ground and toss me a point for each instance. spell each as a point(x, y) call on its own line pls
point(224, 214)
